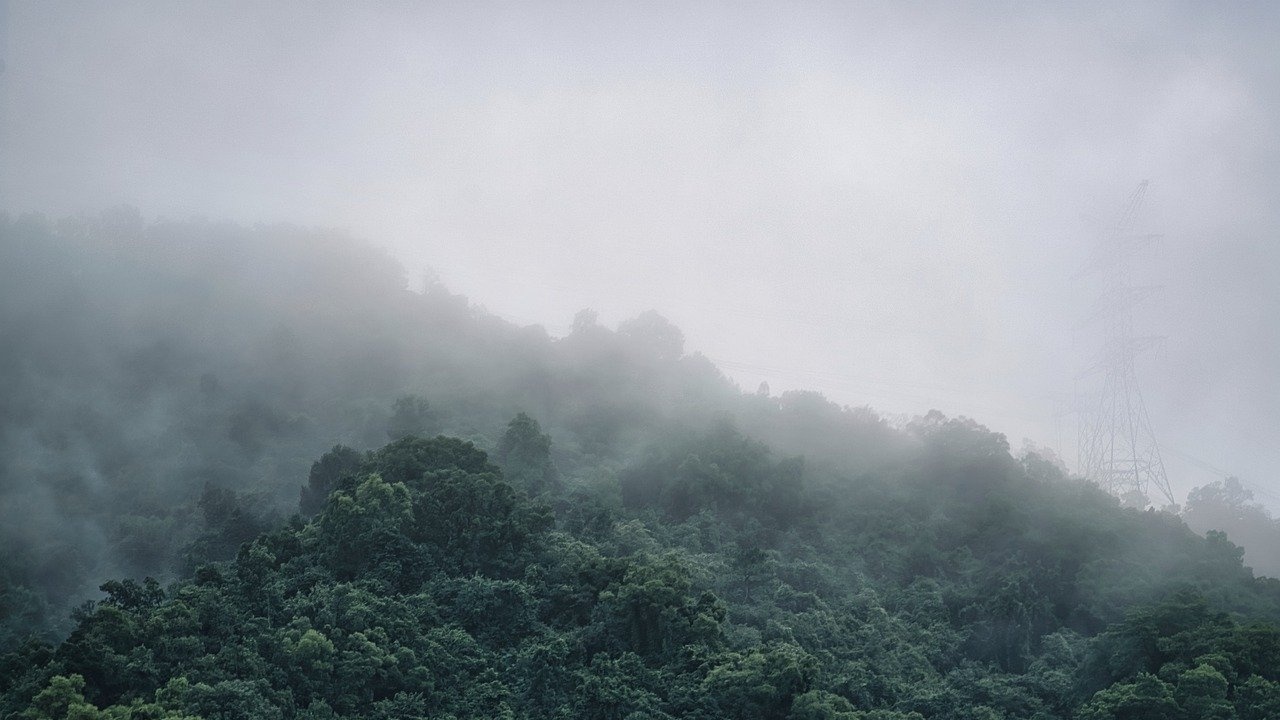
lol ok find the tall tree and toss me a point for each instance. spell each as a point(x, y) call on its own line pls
point(525, 456)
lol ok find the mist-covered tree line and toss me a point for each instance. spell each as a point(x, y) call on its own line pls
point(427, 585)
point(167, 386)
point(618, 532)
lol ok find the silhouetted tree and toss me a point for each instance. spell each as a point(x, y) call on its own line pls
point(525, 456)
point(410, 416)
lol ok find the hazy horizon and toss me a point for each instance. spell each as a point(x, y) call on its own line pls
point(888, 204)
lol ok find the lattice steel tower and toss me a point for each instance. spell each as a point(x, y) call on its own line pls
point(1117, 447)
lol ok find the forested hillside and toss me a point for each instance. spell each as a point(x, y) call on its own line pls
point(358, 500)
point(167, 386)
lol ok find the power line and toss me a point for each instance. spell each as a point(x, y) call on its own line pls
point(1220, 473)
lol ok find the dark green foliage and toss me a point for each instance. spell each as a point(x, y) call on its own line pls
point(22, 609)
point(229, 521)
point(1146, 698)
point(722, 471)
point(427, 586)
point(332, 468)
point(669, 555)
point(524, 453)
point(410, 460)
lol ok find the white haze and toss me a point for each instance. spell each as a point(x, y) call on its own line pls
point(886, 202)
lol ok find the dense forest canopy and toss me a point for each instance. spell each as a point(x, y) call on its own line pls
point(249, 473)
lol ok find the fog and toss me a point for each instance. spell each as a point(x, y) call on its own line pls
point(888, 204)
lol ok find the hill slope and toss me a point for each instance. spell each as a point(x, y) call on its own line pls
point(619, 532)
point(429, 587)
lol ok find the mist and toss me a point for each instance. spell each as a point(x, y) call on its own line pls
point(168, 386)
point(887, 204)
point(635, 360)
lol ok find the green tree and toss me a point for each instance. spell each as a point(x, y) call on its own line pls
point(1146, 698)
point(411, 416)
point(62, 699)
point(1258, 699)
point(1202, 693)
point(333, 467)
point(359, 527)
point(761, 683)
point(1228, 506)
point(524, 452)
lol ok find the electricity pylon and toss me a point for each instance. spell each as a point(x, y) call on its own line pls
point(1117, 448)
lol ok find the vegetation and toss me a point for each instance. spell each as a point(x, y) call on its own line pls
point(598, 526)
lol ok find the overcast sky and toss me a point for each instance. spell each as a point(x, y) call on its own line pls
point(888, 202)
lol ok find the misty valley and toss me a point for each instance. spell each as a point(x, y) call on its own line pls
point(254, 472)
